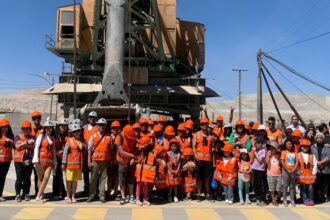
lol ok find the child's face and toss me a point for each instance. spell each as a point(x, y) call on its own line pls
point(244, 156)
point(226, 154)
point(304, 149)
point(174, 147)
point(187, 157)
point(288, 145)
point(162, 154)
point(258, 145)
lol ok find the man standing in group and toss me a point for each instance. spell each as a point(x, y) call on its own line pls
point(35, 132)
point(99, 155)
point(274, 134)
point(295, 124)
point(202, 147)
point(89, 130)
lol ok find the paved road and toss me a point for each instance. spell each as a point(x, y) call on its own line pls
point(183, 210)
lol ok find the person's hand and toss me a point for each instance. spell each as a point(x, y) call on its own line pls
point(30, 141)
point(90, 164)
point(253, 149)
point(132, 162)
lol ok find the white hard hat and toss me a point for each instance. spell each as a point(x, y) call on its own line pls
point(77, 121)
point(102, 121)
point(92, 114)
point(261, 127)
point(244, 150)
point(48, 124)
point(63, 121)
point(75, 127)
point(227, 125)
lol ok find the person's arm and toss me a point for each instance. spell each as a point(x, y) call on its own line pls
point(268, 158)
point(89, 149)
point(19, 144)
point(231, 114)
point(54, 151)
point(36, 149)
point(314, 171)
point(194, 146)
point(261, 158)
point(65, 155)
point(124, 153)
point(248, 145)
point(206, 114)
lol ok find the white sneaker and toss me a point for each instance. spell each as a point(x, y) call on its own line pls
point(226, 201)
point(176, 199)
point(230, 202)
point(2, 199)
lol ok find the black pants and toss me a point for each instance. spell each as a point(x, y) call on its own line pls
point(36, 189)
point(260, 184)
point(23, 178)
point(58, 184)
point(321, 186)
point(4, 167)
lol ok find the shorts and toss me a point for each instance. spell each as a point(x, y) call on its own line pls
point(274, 183)
point(126, 175)
point(73, 175)
point(203, 170)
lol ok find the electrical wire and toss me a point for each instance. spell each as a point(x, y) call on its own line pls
point(292, 84)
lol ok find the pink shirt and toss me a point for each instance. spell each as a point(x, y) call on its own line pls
point(274, 168)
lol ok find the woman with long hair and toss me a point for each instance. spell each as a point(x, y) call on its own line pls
point(6, 147)
point(44, 157)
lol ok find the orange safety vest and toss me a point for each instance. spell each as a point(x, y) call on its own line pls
point(166, 144)
point(46, 156)
point(146, 169)
point(36, 132)
point(101, 149)
point(128, 146)
point(203, 151)
point(184, 142)
point(174, 180)
point(6, 146)
point(304, 174)
point(162, 179)
point(19, 154)
point(89, 133)
point(226, 174)
point(75, 155)
point(189, 181)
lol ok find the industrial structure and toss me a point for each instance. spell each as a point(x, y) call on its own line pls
point(130, 56)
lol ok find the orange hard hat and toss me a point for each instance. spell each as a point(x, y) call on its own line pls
point(143, 121)
point(189, 121)
point(4, 122)
point(35, 114)
point(188, 151)
point(174, 141)
point(161, 119)
point(255, 126)
point(182, 127)
point(189, 126)
point(305, 142)
point(151, 122)
point(219, 118)
point(204, 121)
point(247, 127)
point(157, 128)
point(216, 131)
point(239, 122)
point(136, 126)
point(115, 124)
point(26, 124)
point(144, 141)
point(169, 130)
point(297, 133)
point(128, 132)
point(228, 148)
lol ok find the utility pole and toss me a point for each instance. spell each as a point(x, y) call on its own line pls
point(74, 61)
point(239, 71)
point(259, 89)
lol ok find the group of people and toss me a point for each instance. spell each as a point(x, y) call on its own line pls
point(164, 161)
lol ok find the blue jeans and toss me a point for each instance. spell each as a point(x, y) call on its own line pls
point(228, 192)
point(241, 186)
point(307, 192)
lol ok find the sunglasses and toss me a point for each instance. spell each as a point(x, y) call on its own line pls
point(36, 118)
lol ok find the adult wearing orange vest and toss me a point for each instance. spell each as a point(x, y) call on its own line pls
point(88, 130)
point(219, 124)
point(137, 130)
point(23, 153)
point(35, 132)
point(126, 151)
point(44, 158)
point(113, 166)
point(161, 121)
point(169, 135)
point(202, 147)
point(72, 161)
point(183, 139)
point(151, 125)
point(307, 164)
point(6, 147)
point(296, 136)
point(62, 134)
point(99, 156)
point(145, 127)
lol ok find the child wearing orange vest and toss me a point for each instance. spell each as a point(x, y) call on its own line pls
point(161, 182)
point(244, 176)
point(188, 172)
point(226, 172)
point(174, 169)
point(307, 164)
point(72, 162)
point(145, 172)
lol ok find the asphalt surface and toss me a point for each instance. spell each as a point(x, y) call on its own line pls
point(185, 210)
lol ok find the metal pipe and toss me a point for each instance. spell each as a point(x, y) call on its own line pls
point(259, 89)
point(74, 61)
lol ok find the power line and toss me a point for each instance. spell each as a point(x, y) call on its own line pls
point(299, 42)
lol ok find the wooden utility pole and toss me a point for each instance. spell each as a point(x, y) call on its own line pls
point(259, 89)
point(239, 71)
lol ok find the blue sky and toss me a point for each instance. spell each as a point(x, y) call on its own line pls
point(236, 29)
